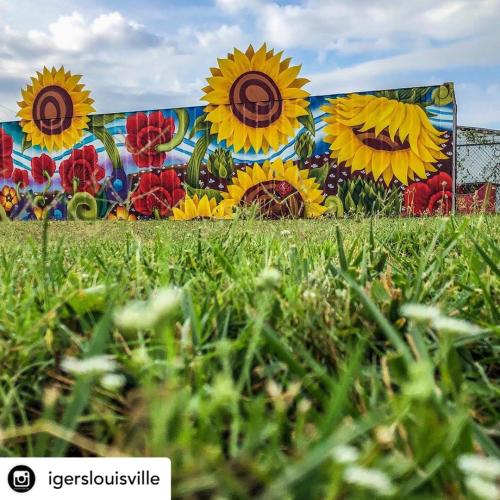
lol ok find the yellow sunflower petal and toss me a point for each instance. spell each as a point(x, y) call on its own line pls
point(204, 207)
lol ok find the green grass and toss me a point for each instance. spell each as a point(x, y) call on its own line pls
point(255, 383)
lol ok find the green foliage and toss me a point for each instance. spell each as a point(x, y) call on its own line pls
point(418, 95)
point(182, 126)
point(3, 215)
point(83, 206)
point(25, 143)
point(304, 145)
point(220, 163)
point(308, 122)
point(103, 120)
point(211, 193)
point(443, 95)
point(289, 362)
point(107, 140)
point(200, 125)
point(335, 206)
point(194, 163)
point(320, 173)
point(364, 197)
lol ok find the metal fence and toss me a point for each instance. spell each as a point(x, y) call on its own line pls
point(478, 160)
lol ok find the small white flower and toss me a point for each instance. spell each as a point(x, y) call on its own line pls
point(113, 381)
point(186, 333)
point(420, 312)
point(285, 233)
point(372, 479)
point(269, 277)
point(482, 488)
point(487, 467)
point(309, 295)
point(94, 364)
point(273, 389)
point(144, 315)
point(304, 406)
point(345, 454)
point(134, 316)
point(454, 325)
point(166, 301)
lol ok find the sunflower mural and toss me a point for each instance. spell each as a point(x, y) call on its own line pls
point(384, 137)
point(255, 99)
point(54, 109)
point(279, 189)
point(195, 208)
point(260, 141)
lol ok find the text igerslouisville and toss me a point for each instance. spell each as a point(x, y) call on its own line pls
point(141, 478)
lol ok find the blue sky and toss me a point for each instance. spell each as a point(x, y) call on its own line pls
point(155, 54)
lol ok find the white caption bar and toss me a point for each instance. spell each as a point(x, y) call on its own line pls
point(84, 478)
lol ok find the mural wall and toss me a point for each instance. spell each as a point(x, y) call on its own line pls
point(259, 142)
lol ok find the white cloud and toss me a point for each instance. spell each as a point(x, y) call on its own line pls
point(125, 65)
point(400, 70)
point(74, 33)
point(478, 105)
point(365, 25)
point(223, 37)
point(233, 6)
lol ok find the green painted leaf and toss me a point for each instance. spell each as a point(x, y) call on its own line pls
point(183, 125)
point(102, 120)
point(211, 193)
point(26, 144)
point(200, 125)
point(307, 121)
point(102, 203)
point(193, 167)
point(320, 173)
point(109, 144)
point(83, 206)
point(3, 215)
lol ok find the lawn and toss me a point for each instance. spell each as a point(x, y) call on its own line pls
point(282, 359)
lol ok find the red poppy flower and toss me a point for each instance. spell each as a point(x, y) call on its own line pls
point(433, 195)
point(144, 133)
point(81, 171)
point(20, 176)
point(6, 148)
point(440, 182)
point(42, 167)
point(158, 193)
point(416, 198)
point(440, 203)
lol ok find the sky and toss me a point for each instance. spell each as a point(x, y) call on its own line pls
point(153, 54)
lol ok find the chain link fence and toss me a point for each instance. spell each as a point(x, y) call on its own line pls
point(478, 169)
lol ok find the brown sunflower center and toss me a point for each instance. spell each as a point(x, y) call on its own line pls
point(52, 110)
point(276, 199)
point(255, 99)
point(381, 142)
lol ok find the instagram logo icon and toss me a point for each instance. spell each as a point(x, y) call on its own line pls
point(21, 478)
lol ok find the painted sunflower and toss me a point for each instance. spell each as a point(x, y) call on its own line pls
point(54, 110)
point(121, 213)
point(202, 208)
point(385, 137)
point(279, 188)
point(255, 99)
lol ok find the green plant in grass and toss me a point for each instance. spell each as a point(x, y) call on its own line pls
point(364, 197)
